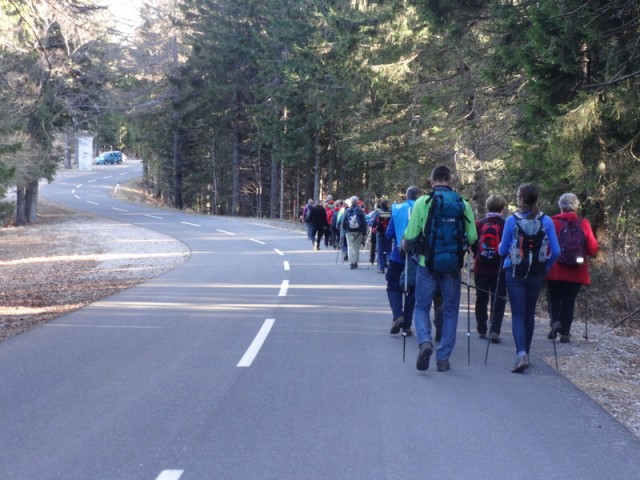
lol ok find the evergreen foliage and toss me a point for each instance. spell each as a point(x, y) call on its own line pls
point(251, 107)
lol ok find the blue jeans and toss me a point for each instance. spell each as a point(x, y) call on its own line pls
point(400, 304)
point(523, 296)
point(383, 247)
point(308, 226)
point(426, 286)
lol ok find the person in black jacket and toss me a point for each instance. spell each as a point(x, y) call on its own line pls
point(319, 224)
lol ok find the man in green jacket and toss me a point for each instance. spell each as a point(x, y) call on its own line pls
point(441, 228)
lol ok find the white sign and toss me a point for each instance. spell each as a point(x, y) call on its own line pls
point(85, 152)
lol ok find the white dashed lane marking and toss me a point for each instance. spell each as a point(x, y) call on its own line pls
point(283, 288)
point(286, 266)
point(250, 355)
point(170, 475)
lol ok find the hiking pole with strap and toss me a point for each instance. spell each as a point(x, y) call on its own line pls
point(555, 352)
point(468, 310)
point(406, 294)
point(494, 299)
point(586, 312)
point(339, 252)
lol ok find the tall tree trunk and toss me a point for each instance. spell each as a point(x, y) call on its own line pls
point(235, 172)
point(177, 170)
point(282, 192)
point(214, 177)
point(67, 147)
point(316, 168)
point(31, 201)
point(21, 218)
point(273, 194)
point(331, 156)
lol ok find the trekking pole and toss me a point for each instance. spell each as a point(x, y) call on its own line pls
point(494, 299)
point(339, 252)
point(468, 311)
point(586, 312)
point(406, 294)
point(555, 352)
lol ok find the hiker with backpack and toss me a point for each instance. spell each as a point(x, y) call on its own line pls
point(488, 274)
point(440, 230)
point(571, 271)
point(530, 245)
point(379, 223)
point(354, 225)
point(401, 294)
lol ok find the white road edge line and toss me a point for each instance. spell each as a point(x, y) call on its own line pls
point(250, 355)
point(257, 241)
point(286, 266)
point(283, 288)
point(278, 251)
point(191, 224)
point(224, 231)
point(170, 475)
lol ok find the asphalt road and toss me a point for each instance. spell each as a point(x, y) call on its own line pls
point(262, 359)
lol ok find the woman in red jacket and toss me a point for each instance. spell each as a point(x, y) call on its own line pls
point(571, 271)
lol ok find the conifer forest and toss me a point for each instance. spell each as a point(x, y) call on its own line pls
point(251, 107)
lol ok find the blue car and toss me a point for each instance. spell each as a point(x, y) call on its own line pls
point(111, 158)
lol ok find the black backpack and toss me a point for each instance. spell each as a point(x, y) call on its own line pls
point(573, 243)
point(445, 235)
point(529, 251)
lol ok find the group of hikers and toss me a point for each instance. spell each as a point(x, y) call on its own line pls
point(421, 245)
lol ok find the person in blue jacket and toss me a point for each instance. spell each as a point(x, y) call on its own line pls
point(524, 284)
point(401, 305)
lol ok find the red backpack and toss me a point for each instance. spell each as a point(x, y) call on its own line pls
point(489, 240)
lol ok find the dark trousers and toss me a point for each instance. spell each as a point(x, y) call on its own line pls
point(562, 301)
point(487, 296)
point(316, 236)
point(401, 304)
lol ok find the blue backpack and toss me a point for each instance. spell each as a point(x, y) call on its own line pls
point(445, 233)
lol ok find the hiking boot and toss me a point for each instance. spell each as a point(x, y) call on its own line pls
point(442, 365)
point(426, 349)
point(353, 265)
point(482, 336)
point(555, 329)
point(522, 363)
point(565, 338)
point(397, 325)
point(345, 258)
point(407, 332)
point(495, 337)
